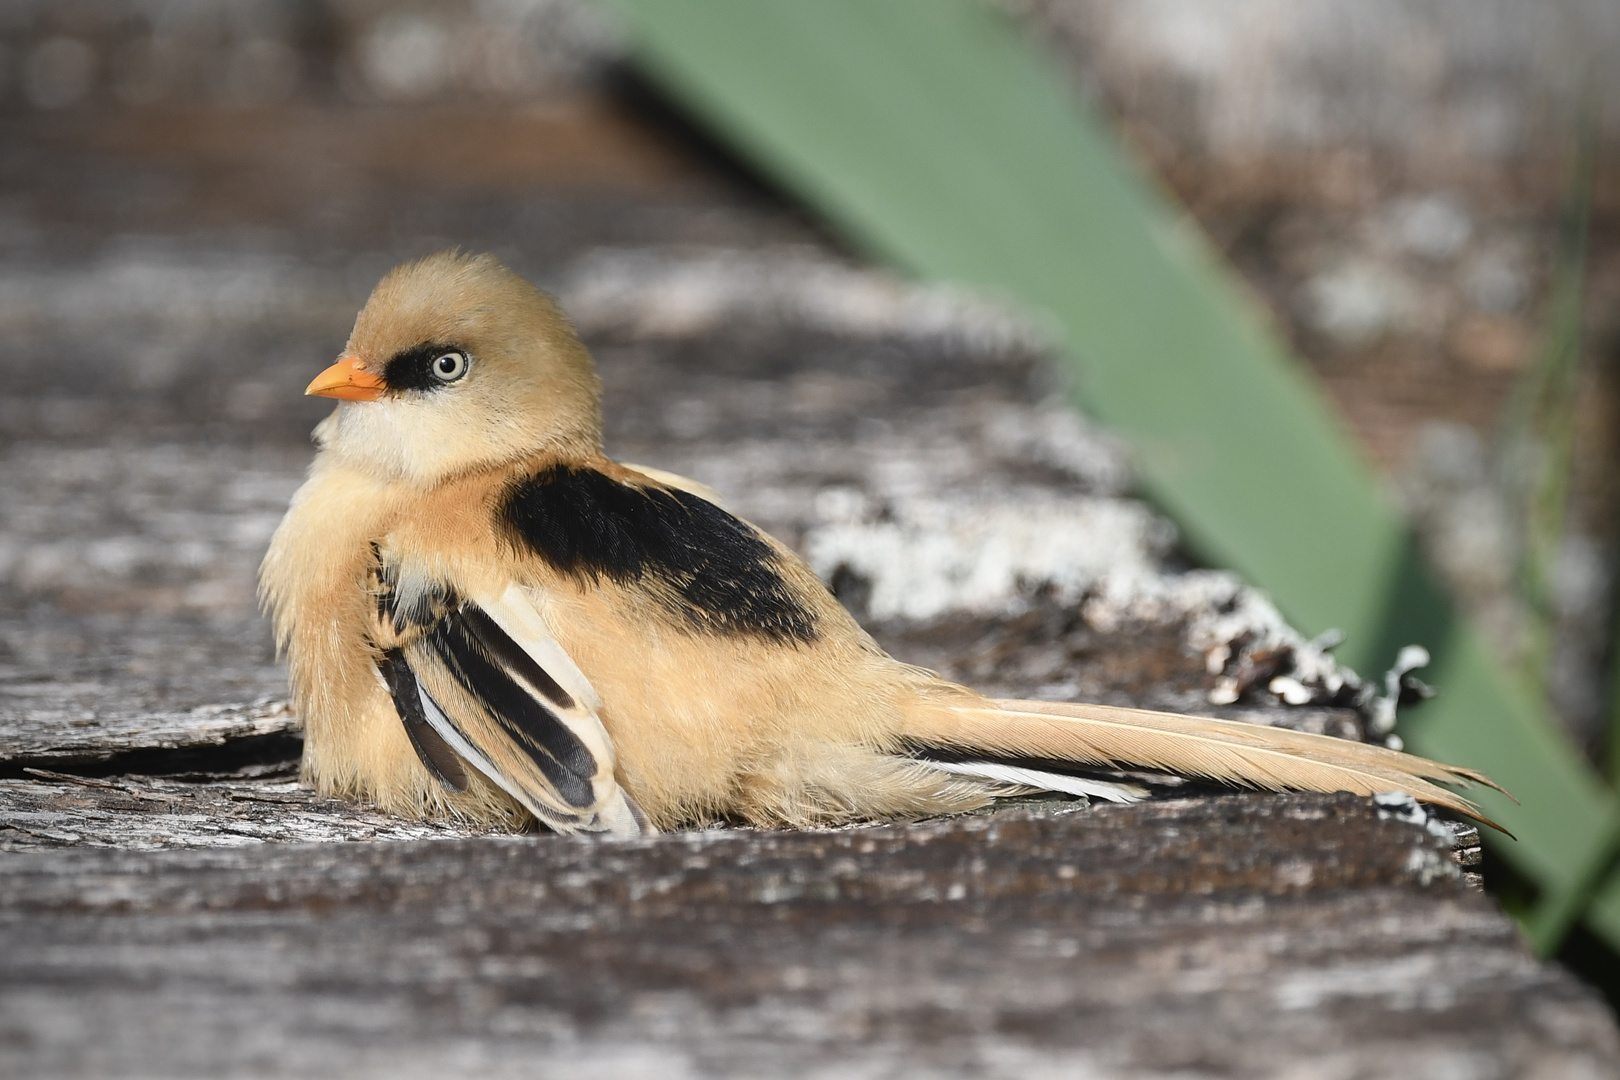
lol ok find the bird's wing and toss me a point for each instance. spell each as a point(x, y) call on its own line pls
point(677, 481)
point(481, 682)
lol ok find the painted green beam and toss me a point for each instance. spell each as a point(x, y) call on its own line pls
point(933, 135)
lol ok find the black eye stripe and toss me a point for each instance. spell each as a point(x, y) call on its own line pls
point(413, 368)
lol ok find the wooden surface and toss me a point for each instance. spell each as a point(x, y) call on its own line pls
point(51, 810)
point(173, 904)
point(1250, 935)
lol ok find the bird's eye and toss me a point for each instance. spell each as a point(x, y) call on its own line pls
point(448, 367)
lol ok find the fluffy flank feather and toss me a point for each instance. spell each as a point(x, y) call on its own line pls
point(1231, 752)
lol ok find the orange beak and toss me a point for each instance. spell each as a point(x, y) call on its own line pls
point(347, 381)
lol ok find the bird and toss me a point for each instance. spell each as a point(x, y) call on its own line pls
point(485, 618)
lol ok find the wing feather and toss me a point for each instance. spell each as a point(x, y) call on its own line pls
point(437, 754)
point(503, 705)
point(481, 681)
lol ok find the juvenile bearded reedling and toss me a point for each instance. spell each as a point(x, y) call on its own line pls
point(485, 617)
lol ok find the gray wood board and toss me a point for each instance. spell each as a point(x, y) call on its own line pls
point(54, 810)
point(151, 741)
point(127, 621)
point(1247, 935)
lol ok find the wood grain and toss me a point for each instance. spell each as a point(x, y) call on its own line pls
point(1247, 935)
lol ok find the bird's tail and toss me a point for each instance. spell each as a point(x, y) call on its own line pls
point(1226, 751)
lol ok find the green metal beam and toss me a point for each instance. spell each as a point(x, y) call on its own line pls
point(934, 136)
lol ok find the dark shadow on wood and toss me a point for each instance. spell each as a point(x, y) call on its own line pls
point(232, 756)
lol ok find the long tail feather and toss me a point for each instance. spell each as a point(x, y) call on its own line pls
point(1231, 752)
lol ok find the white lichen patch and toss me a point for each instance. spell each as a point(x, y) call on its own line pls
point(925, 558)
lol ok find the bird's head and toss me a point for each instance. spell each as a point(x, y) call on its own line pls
point(457, 364)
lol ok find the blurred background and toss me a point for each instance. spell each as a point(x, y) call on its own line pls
point(1419, 196)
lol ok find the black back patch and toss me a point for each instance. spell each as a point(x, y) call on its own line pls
point(722, 576)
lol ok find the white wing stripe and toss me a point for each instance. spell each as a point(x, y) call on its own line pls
point(615, 818)
point(451, 734)
point(1044, 781)
point(515, 615)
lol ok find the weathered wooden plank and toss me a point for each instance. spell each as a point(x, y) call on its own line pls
point(55, 810)
point(1246, 935)
point(138, 486)
point(156, 741)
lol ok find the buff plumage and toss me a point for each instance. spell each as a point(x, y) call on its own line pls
point(485, 617)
